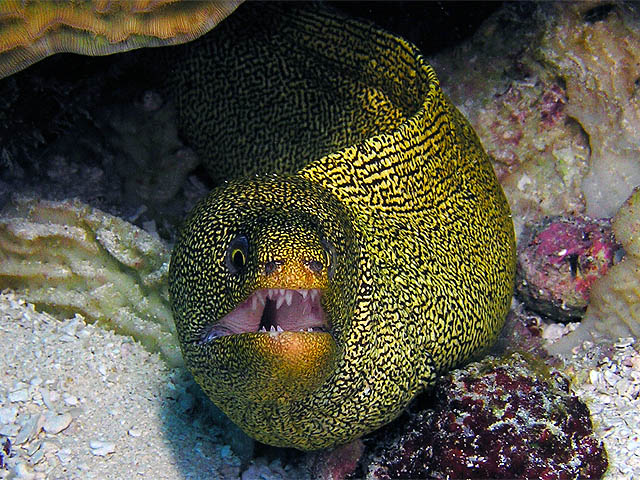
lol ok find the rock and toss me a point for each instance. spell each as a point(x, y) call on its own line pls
point(559, 259)
point(499, 418)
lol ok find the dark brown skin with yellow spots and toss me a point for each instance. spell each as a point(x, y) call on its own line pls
point(351, 175)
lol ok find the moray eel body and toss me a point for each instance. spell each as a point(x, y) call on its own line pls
point(359, 243)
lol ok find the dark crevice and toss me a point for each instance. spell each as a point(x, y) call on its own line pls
point(599, 13)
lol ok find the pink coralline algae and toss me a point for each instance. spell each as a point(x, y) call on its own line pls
point(497, 419)
point(558, 261)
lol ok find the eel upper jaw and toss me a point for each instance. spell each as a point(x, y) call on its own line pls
point(272, 311)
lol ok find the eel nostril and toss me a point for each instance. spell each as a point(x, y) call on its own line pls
point(315, 266)
point(272, 266)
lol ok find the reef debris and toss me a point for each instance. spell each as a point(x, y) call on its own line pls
point(559, 258)
point(498, 418)
point(614, 308)
point(67, 257)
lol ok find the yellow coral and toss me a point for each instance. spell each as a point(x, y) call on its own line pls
point(32, 30)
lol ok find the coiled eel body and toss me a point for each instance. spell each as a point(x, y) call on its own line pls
point(358, 243)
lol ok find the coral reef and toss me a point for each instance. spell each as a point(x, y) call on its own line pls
point(496, 419)
point(614, 310)
point(152, 160)
point(67, 257)
point(558, 261)
point(595, 49)
point(552, 91)
point(35, 29)
point(518, 109)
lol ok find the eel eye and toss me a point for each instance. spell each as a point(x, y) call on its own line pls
point(236, 257)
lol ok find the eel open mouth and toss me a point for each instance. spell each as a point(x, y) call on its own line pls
point(272, 310)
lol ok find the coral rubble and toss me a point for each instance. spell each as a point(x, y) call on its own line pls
point(558, 261)
point(496, 419)
point(614, 309)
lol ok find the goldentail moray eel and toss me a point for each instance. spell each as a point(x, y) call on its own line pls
point(358, 243)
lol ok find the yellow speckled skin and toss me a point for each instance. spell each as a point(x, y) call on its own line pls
point(354, 144)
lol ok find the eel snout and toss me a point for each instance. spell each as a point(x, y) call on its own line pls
point(272, 310)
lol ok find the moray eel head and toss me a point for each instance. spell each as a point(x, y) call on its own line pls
point(264, 262)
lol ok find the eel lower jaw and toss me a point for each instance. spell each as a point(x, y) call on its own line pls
point(272, 311)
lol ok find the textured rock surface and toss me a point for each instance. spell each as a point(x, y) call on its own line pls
point(558, 261)
point(497, 419)
point(614, 310)
point(595, 49)
point(552, 91)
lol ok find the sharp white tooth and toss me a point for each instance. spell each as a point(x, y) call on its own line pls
point(272, 329)
point(279, 329)
point(304, 293)
point(262, 296)
point(263, 330)
point(289, 297)
point(281, 291)
point(309, 329)
point(280, 302)
point(313, 294)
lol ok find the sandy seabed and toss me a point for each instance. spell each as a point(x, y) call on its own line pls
point(77, 401)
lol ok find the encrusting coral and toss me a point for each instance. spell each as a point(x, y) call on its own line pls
point(32, 30)
point(558, 261)
point(498, 418)
point(68, 257)
point(614, 309)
